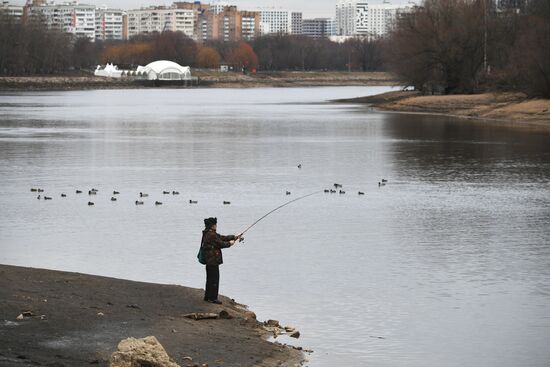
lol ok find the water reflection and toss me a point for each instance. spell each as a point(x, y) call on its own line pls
point(448, 264)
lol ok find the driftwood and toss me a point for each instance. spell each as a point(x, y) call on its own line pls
point(201, 315)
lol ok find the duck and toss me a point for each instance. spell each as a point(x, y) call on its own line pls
point(175, 193)
point(166, 192)
point(361, 193)
point(116, 193)
point(193, 202)
point(47, 198)
point(92, 192)
point(384, 180)
point(38, 197)
point(158, 203)
point(90, 203)
point(79, 191)
point(288, 193)
point(227, 203)
point(332, 191)
point(40, 190)
point(139, 202)
point(113, 199)
point(300, 166)
point(34, 190)
point(342, 192)
point(142, 195)
point(327, 191)
point(63, 195)
point(381, 184)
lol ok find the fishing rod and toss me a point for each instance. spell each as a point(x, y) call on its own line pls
point(273, 211)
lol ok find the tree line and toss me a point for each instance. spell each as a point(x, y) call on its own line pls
point(465, 46)
point(442, 46)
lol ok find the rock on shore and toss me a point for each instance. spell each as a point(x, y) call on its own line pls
point(78, 320)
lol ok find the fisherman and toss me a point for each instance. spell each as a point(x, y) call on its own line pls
point(212, 244)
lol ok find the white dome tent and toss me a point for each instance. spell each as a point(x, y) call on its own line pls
point(165, 70)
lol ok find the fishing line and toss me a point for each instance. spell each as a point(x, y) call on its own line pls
point(277, 208)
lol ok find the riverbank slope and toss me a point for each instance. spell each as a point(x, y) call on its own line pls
point(78, 320)
point(211, 79)
point(513, 109)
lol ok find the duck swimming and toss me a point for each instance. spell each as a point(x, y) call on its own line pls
point(193, 202)
point(142, 195)
point(175, 193)
point(63, 195)
point(113, 199)
point(158, 203)
point(139, 202)
point(116, 192)
point(227, 203)
point(78, 192)
point(90, 203)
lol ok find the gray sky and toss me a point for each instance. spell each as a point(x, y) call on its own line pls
point(310, 8)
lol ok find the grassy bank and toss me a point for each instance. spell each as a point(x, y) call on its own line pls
point(513, 109)
point(78, 320)
point(213, 79)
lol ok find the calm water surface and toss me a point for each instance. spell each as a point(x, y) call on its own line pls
point(447, 265)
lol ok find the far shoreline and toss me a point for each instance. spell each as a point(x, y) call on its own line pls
point(207, 79)
point(498, 108)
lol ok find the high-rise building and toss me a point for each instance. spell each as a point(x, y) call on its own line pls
point(109, 24)
point(296, 23)
point(360, 18)
point(160, 19)
point(280, 22)
point(73, 18)
point(319, 28)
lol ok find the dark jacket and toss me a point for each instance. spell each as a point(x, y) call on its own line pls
point(212, 244)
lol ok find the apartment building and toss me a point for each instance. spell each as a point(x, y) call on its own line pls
point(280, 22)
point(14, 11)
point(319, 28)
point(228, 25)
point(73, 18)
point(109, 24)
point(361, 18)
point(160, 19)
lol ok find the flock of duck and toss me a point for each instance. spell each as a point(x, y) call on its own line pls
point(93, 192)
point(338, 188)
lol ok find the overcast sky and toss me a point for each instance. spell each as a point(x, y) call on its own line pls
point(310, 8)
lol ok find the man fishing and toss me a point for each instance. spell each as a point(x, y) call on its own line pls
point(211, 246)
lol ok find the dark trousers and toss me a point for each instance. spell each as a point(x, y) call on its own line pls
point(212, 282)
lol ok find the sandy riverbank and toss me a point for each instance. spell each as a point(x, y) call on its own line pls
point(513, 109)
point(211, 79)
point(85, 317)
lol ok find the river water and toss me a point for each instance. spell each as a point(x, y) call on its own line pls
point(446, 265)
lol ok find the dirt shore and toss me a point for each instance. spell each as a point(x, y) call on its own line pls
point(210, 79)
point(78, 320)
point(513, 109)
